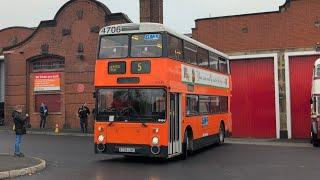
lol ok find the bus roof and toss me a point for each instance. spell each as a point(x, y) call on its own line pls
point(130, 28)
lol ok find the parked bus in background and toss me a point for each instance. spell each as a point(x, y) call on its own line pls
point(315, 104)
point(159, 93)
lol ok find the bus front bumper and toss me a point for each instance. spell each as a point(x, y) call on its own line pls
point(132, 150)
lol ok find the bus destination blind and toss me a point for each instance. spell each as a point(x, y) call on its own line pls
point(140, 67)
point(117, 67)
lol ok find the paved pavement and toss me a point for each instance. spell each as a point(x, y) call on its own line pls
point(8, 162)
point(71, 157)
point(11, 166)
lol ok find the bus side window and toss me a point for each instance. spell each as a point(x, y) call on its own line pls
point(190, 53)
point(224, 104)
point(192, 105)
point(214, 61)
point(202, 58)
point(215, 105)
point(223, 66)
point(175, 48)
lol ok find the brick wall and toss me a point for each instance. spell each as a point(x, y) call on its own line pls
point(295, 25)
point(151, 11)
point(13, 35)
point(76, 24)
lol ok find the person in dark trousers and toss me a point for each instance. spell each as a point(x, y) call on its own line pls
point(20, 129)
point(83, 113)
point(43, 115)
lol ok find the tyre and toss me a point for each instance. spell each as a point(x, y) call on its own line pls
point(221, 134)
point(185, 145)
point(315, 140)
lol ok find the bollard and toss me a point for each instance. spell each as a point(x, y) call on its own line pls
point(56, 130)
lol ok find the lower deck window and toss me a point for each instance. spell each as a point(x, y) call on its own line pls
point(204, 105)
point(192, 105)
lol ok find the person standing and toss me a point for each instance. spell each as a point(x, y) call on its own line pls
point(43, 115)
point(20, 130)
point(83, 113)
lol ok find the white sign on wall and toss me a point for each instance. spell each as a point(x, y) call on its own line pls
point(203, 77)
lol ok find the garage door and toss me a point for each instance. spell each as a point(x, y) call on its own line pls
point(301, 68)
point(253, 98)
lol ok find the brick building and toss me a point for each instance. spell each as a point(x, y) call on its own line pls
point(55, 63)
point(272, 60)
point(9, 36)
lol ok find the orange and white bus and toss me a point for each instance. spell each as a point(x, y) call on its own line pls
point(315, 105)
point(159, 93)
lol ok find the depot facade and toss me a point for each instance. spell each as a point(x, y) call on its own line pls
point(272, 56)
point(55, 63)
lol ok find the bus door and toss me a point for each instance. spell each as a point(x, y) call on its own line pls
point(175, 145)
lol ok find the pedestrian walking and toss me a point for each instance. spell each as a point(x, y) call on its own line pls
point(83, 113)
point(20, 130)
point(43, 115)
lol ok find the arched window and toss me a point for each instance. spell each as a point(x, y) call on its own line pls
point(47, 64)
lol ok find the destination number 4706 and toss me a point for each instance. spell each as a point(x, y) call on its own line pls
point(111, 30)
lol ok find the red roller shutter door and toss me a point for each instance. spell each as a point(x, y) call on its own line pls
point(301, 68)
point(253, 98)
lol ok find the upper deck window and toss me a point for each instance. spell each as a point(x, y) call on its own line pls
point(114, 46)
point(146, 45)
point(214, 61)
point(202, 57)
point(223, 65)
point(190, 53)
point(175, 48)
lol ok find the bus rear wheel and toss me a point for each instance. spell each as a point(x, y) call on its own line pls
point(221, 134)
point(315, 140)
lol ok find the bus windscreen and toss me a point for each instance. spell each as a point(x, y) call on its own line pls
point(132, 105)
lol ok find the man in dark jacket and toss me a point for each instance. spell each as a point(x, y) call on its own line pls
point(20, 129)
point(43, 115)
point(83, 113)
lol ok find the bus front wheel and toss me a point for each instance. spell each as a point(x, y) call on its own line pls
point(221, 134)
point(186, 146)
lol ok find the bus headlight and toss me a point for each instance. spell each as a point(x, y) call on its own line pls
point(155, 140)
point(100, 138)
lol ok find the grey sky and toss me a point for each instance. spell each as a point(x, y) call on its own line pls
point(178, 14)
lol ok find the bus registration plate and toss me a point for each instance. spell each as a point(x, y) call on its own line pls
point(127, 150)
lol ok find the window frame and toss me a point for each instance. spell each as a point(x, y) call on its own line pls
point(196, 52)
point(209, 98)
point(129, 45)
point(197, 113)
point(162, 40)
point(167, 47)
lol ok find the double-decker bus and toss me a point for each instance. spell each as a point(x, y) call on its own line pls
point(159, 93)
point(315, 104)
